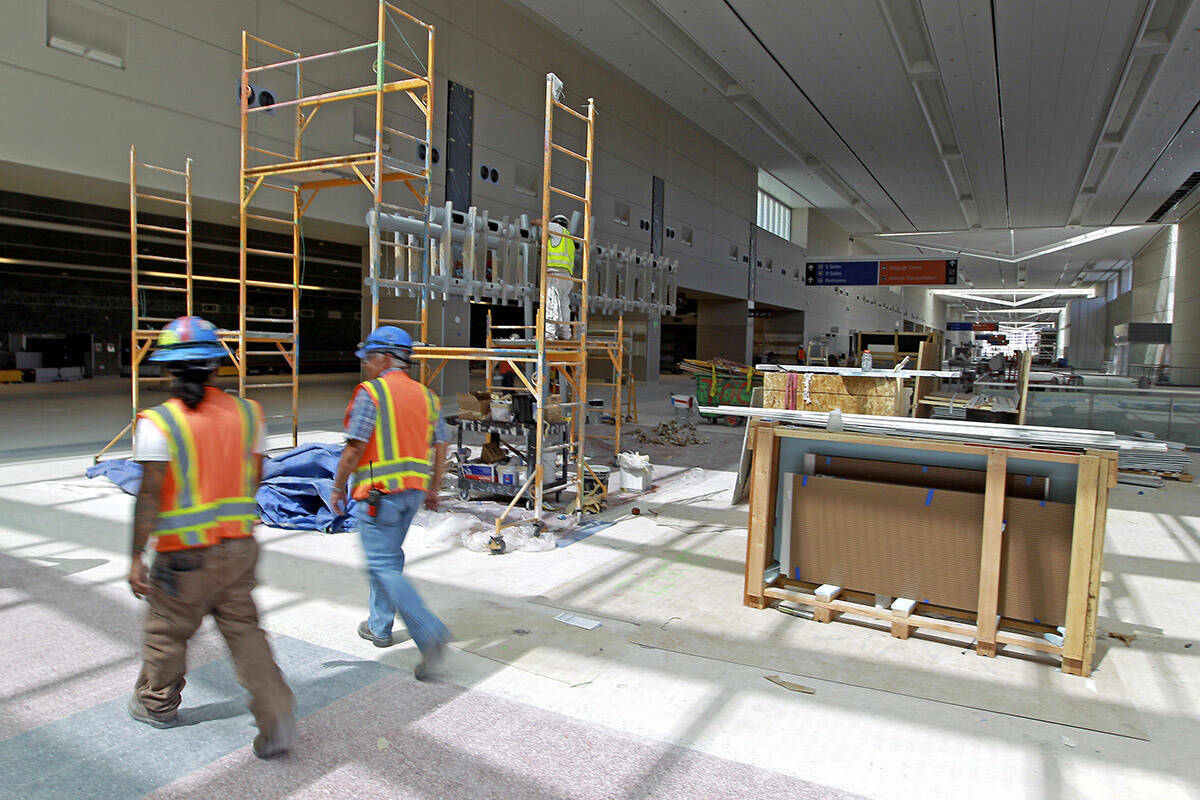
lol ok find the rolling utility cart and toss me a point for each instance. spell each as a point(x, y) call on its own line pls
point(724, 389)
point(476, 480)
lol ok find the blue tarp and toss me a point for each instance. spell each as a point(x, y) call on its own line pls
point(294, 492)
point(125, 474)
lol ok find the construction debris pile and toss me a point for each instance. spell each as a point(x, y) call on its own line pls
point(679, 434)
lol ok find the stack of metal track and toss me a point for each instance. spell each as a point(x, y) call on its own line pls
point(956, 430)
point(1175, 460)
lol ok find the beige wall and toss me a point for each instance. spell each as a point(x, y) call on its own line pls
point(721, 329)
point(1185, 326)
point(176, 97)
point(1152, 279)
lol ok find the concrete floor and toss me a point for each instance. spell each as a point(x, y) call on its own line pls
point(530, 707)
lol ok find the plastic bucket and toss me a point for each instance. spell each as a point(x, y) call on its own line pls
point(593, 483)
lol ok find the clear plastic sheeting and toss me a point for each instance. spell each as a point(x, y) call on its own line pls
point(518, 537)
point(472, 525)
point(634, 462)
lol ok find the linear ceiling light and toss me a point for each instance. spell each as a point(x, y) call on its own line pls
point(1045, 310)
point(1065, 244)
point(1014, 292)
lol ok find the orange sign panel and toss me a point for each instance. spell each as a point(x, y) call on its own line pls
point(918, 272)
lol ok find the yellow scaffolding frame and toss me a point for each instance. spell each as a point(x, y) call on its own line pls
point(371, 169)
point(600, 345)
point(141, 338)
point(566, 358)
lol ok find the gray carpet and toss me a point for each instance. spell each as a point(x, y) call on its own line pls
point(69, 653)
point(398, 738)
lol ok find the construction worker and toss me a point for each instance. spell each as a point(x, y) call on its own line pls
point(392, 422)
point(801, 355)
point(560, 265)
point(201, 455)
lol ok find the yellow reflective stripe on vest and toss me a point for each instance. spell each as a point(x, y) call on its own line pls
point(404, 467)
point(164, 427)
point(434, 406)
point(183, 458)
point(385, 421)
point(207, 514)
point(249, 422)
point(561, 255)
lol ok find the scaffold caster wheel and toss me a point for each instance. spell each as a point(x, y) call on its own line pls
point(496, 545)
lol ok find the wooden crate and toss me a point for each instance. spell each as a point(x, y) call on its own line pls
point(1096, 473)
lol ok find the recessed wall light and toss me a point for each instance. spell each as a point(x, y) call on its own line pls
point(67, 46)
point(106, 58)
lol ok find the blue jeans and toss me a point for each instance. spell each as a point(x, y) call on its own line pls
point(391, 593)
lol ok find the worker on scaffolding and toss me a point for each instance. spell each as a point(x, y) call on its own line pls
point(392, 424)
point(201, 455)
point(560, 265)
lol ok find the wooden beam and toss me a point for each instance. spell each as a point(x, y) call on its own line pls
point(924, 444)
point(1023, 369)
point(1080, 577)
point(763, 486)
point(991, 554)
point(1108, 462)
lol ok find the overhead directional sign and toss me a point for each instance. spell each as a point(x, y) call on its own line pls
point(841, 273)
point(883, 272)
point(926, 272)
point(960, 326)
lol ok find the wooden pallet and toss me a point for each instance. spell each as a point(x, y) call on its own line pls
point(1182, 477)
point(1097, 472)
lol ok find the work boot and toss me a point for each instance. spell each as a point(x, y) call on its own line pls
point(364, 630)
point(279, 742)
point(156, 719)
point(431, 662)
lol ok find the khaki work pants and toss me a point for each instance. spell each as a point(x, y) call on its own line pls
point(189, 585)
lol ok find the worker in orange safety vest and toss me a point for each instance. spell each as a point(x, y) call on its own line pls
point(201, 456)
point(393, 426)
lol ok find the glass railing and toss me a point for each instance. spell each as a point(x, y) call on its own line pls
point(1172, 414)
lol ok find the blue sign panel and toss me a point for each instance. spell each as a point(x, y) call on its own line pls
point(841, 273)
point(960, 326)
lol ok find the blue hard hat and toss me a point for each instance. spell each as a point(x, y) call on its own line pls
point(385, 339)
point(188, 339)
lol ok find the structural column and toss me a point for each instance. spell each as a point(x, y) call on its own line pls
point(1185, 325)
point(723, 330)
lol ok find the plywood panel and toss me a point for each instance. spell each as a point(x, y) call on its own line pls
point(925, 544)
point(851, 395)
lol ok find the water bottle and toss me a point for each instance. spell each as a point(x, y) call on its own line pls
point(866, 361)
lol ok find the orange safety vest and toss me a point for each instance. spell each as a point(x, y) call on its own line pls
point(397, 457)
point(208, 494)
